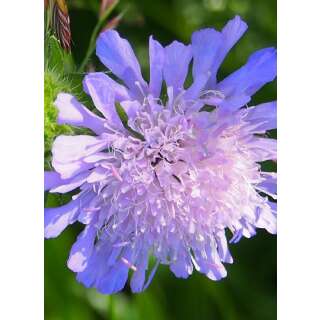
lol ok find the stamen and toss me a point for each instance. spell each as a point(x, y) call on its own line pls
point(121, 244)
point(129, 264)
point(212, 93)
point(92, 209)
point(116, 174)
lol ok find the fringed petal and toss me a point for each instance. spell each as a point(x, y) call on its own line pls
point(117, 55)
point(73, 112)
point(156, 57)
point(177, 59)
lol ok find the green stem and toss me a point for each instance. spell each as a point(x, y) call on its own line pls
point(94, 35)
point(111, 311)
point(48, 18)
point(49, 15)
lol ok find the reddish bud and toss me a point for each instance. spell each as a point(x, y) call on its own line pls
point(61, 24)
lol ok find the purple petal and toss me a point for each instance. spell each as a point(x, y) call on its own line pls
point(116, 277)
point(103, 97)
point(71, 169)
point(138, 277)
point(73, 112)
point(96, 175)
point(223, 249)
point(264, 116)
point(95, 266)
point(52, 179)
point(248, 229)
point(117, 54)
point(211, 266)
point(193, 92)
point(177, 59)
point(266, 220)
point(273, 207)
point(105, 270)
point(237, 236)
point(269, 185)
point(259, 70)
point(234, 102)
point(57, 219)
point(154, 104)
point(93, 211)
point(102, 80)
point(156, 56)
point(114, 280)
point(205, 45)
point(71, 148)
point(68, 152)
point(131, 108)
point(216, 269)
point(264, 149)
point(231, 34)
point(182, 267)
point(82, 249)
point(71, 184)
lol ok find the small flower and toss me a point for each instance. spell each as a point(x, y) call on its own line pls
point(168, 182)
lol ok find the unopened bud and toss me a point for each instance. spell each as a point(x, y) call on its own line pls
point(61, 24)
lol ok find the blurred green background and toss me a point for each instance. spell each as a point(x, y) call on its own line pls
point(249, 291)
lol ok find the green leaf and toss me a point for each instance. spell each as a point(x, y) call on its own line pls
point(56, 58)
point(124, 119)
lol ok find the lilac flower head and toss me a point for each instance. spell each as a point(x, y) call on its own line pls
point(168, 182)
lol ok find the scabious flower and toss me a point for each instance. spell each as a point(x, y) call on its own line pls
point(171, 179)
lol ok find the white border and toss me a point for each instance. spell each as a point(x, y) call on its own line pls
point(299, 159)
point(21, 179)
